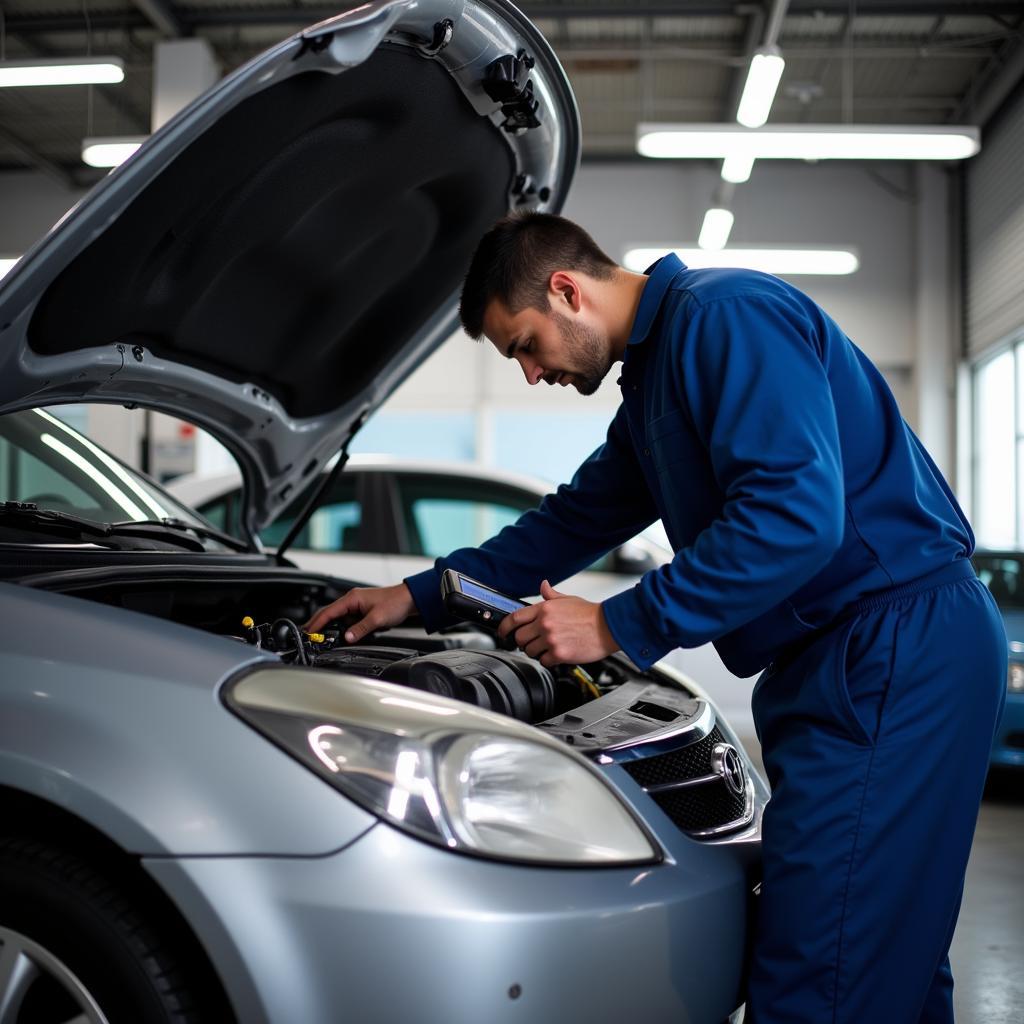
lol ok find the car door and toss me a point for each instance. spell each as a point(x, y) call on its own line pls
point(437, 513)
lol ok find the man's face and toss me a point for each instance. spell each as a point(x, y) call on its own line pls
point(550, 347)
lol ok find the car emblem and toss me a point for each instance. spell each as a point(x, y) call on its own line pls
point(725, 761)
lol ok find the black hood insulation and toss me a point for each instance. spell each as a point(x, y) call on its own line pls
point(300, 243)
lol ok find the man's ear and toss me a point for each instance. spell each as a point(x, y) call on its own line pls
point(564, 289)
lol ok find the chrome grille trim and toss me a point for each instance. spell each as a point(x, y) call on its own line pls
point(686, 799)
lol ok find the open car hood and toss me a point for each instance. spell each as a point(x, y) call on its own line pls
point(276, 259)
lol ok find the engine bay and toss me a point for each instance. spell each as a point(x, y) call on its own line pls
point(595, 706)
point(592, 707)
point(663, 734)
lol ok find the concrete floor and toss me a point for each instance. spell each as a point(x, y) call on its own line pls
point(987, 955)
point(988, 947)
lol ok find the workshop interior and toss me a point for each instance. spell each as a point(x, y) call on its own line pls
point(235, 390)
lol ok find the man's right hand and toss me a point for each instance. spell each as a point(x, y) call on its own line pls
point(373, 608)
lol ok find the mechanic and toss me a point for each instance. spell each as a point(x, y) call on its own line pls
point(814, 539)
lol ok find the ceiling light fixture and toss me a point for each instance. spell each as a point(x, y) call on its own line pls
point(794, 262)
point(110, 151)
point(808, 142)
point(737, 168)
point(714, 232)
point(763, 75)
point(78, 71)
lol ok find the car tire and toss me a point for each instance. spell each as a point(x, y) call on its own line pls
point(77, 947)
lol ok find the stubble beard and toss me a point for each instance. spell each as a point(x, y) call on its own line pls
point(585, 348)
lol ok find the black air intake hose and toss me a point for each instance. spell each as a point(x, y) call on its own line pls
point(501, 681)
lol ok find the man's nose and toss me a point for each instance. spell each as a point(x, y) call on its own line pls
point(531, 371)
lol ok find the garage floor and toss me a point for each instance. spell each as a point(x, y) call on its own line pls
point(988, 947)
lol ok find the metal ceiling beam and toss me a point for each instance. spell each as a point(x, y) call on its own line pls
point(899, 51)
point(1004, 73)
point(708, 8)
point(162, 15)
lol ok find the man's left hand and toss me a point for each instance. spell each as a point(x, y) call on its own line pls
point(560, 629)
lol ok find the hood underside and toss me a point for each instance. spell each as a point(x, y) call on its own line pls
point(301, 244)
point(280, 256)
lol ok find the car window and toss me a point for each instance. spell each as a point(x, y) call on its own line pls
point(442, 513)
point(334, 526)
point(1004, 577)
point(222, 512)
point(47, 462)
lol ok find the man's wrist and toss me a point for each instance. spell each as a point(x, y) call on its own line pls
point(608, 641)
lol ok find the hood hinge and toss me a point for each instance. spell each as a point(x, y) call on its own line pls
point(506, 81)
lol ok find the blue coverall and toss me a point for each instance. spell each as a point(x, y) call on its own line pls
point(814, 539)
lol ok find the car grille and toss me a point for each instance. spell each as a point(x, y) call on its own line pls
point(696, 797)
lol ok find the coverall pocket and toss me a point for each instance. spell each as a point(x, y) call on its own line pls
point(809, 695)
point(844, 706)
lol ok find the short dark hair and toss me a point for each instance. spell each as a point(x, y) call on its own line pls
point(514, 262)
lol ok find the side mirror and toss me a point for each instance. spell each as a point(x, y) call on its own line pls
point(631, 559)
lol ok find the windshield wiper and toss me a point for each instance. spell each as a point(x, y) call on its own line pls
point(65, 524)
point(170, 522)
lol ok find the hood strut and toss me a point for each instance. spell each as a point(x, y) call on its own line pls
point(314, 499)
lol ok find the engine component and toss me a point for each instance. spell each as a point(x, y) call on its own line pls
point(510, 684)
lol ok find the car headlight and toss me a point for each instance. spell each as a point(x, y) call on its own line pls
point(1015, 677)
point(456, 775)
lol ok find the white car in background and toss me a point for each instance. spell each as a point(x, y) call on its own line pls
point(385, 518)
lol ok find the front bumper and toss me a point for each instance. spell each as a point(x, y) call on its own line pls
point(1008, 748)
point(394, 929)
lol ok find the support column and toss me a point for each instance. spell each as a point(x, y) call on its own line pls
point(935, 348)
point(182, 70)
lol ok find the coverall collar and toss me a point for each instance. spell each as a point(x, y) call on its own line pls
point(659, 277)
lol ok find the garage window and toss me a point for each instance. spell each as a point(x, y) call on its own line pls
point(998, 449)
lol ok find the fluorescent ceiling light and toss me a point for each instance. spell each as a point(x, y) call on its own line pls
point(109, 152)
point(763, 76)
point(808, 142)
point(6, 262)
point(830, 262)
point(714, 232)
point(79, 71)
point(737, 168)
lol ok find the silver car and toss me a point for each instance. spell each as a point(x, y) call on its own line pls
point(210, 815)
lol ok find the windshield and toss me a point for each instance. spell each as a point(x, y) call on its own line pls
point(1003, 574)
point(48, 463)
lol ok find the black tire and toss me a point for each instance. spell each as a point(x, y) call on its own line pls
point(73, 911)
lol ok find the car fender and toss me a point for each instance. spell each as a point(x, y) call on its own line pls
point(116, 718)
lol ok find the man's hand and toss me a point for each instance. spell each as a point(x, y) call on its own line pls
point(560, 629)
point(374, 607)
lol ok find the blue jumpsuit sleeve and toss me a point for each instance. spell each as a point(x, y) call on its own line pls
point(756, 388)
point(569, 530)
